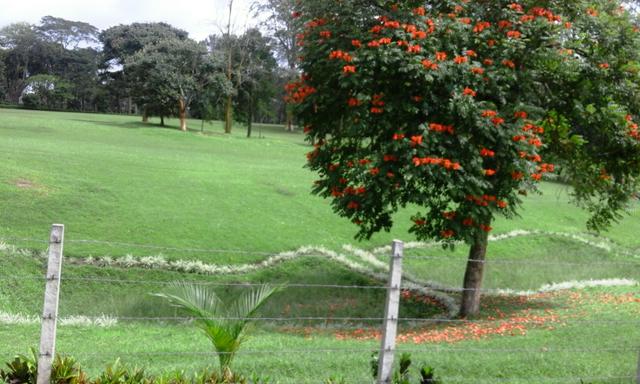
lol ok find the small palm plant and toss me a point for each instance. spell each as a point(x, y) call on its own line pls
point(223, 323)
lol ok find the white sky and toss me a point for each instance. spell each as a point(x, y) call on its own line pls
point(198, 17)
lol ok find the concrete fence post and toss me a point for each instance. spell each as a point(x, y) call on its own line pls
point(392, 307)
point(50, 309)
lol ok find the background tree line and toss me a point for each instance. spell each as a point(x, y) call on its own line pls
point(152, 69)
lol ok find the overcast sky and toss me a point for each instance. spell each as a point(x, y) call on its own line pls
point(198, 17)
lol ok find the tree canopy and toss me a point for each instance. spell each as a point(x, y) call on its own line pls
point(461, 107)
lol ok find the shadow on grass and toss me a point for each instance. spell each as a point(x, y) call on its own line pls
point(128, 125)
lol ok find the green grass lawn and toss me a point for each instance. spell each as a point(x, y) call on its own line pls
point(115, 179)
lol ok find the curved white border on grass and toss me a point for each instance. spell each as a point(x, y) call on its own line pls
point(567, 285)
point(105, 321)
point(604, 244)
point(361, 261)
point(102, 321)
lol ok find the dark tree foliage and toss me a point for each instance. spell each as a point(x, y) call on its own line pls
point(460, 107)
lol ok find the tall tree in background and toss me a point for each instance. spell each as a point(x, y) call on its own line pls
point(167, 75)
point(3, 78)
point(69, 34)
point(19, 41)
point(255, 77)
point(452, 114)
point(51, 49)
point(284, 26)
point(123, 41)
point(230, 52)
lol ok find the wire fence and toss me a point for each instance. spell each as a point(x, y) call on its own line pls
point(338, 342)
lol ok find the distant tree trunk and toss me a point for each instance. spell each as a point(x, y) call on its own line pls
point(183, 114)
point(145, 114)
point(228, 115)
point(289, 121)
point(473, 276)
point(250, 115)
point(228, 109)
point(130, 104)
point(162, 121)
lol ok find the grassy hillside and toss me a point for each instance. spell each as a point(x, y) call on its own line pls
point(114, 178)
point(229, 202)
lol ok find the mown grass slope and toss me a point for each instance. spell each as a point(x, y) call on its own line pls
point(195, 195)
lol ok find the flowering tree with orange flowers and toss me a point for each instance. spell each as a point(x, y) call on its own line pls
point(461, 107)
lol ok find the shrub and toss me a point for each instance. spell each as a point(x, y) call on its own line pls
point(403, 375)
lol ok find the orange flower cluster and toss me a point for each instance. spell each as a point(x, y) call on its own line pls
point(316, 23)
point(450, 215)
point(485, 200)
point(341, 55)
point(477, 70)
point(533, 128)
point(489, 113)
point(504, 24)
point(428, 64)
point(481, 26)
point(514, 34)
point(460, 59)
point(486, 227)
point(349, 69)
point(325, 34)
point(516, 7)
point(297, 92)
point(497, 121)
point(487, 153)
point(633, 128)
point(546, 168)
point(442, 128)
point(355, 191)
point(469, 92)
point(377, 104)
point(509, 64)
point(441, 56)
point(447, 233)
point(416, 140)
point(445, 163)
point(545, 13)
point(390, 158)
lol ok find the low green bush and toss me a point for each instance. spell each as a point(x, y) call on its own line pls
point(403, 374)
point(23, 369)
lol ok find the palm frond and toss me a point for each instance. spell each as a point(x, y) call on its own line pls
point(197, 300)
point(248, 303)
point(224, 326)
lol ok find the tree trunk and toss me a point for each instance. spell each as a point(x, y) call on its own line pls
point(145, 114)
point(183, 115)
point(130, 102)
point(470, 305)
point(289, 121)
point(228, 115)
point(250, 116)
point(162, 121)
